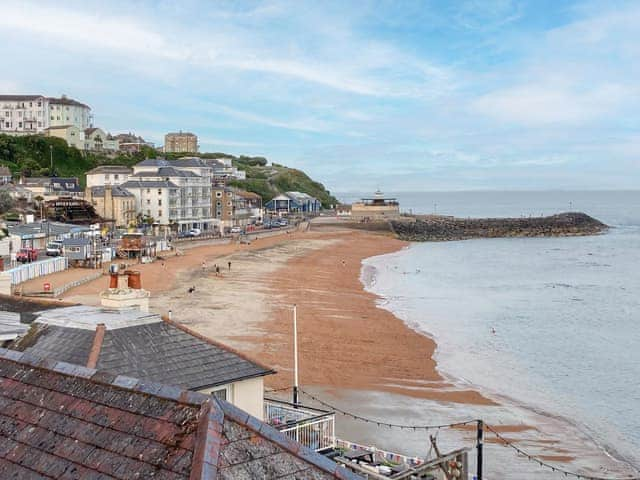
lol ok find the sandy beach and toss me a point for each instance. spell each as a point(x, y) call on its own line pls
point(351, 352)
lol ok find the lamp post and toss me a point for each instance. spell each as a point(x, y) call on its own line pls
point(51, 160)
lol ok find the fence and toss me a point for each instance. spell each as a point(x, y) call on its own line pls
point(311, 427)
point(29, 271)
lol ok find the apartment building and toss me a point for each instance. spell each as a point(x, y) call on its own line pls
point(131, 143)
point(113, 203)
point(97, 140)
point(180, 142)
point(30, 114)
point(173, 194)
point(108, 175)
point(70, 133)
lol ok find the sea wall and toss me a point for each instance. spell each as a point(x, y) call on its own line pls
point(440, 228)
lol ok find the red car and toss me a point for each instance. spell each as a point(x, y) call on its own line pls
point(26, 255)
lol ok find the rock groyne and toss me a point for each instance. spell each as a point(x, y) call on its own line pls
point(441, 228)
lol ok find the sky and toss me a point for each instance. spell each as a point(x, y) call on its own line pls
point(397, 95)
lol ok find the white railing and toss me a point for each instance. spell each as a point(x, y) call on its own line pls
point(318, 434)
point(311, 427)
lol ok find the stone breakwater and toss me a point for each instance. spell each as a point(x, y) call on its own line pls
point(441, 228)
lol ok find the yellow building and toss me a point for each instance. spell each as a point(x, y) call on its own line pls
point(180, 142)
point(72, 134)
point(378, 207)
point(113, 203)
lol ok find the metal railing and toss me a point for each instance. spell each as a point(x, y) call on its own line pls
point(311, 427)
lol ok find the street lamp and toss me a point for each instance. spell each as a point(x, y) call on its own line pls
point(51, 160)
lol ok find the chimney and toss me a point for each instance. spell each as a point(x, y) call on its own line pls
point(134, 281)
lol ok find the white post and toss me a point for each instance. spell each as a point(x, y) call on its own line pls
point(295, 355)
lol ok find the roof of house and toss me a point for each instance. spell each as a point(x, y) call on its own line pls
point(10, 326)
point(53, 228)
point(61, 127)
point(116, 191)
point(166, 172)
point(138, 344)
point(110, 169)
point(60, 420)
point(181, 133)
point(19, 98)
point(148, 184)
point(76, 242)
point(89, 131)
point(67, 101)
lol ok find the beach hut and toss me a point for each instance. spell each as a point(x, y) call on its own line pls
point(77, 249)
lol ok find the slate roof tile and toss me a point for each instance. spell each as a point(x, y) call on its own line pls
point(58, 425)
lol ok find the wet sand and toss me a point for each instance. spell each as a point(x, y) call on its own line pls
point(351, 352)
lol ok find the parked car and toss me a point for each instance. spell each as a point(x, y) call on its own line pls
point(236, 230)
point(54, 249)
point(194, 232)
point(26, 255)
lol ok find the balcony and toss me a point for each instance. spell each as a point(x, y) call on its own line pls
point(311, 427)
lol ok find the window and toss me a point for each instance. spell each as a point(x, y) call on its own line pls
point(51, 117)
point(159, 202)
point(218, 194)
point(7, 124)
point(148, 190)
point(20, 114)
point(31, 104)
point(219, 204)
point(7, 114)
point(159, 191)
point(148, 201)
point(39, 124)
point(159, 213)
point(116, 176)
point(73, 249)
point(228, 204)
point(19, 124)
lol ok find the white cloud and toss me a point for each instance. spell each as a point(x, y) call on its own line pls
point(552, 104)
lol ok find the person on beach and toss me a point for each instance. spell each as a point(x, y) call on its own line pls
point(204, 267)
point(229, 263)
point(217, 270)
point(191, 289)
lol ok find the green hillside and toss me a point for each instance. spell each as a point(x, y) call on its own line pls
point(31, 156)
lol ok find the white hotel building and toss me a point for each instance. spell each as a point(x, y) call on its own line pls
point(29, 114)
point(175, 194)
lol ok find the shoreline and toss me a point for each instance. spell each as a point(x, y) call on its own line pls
point(350, 346)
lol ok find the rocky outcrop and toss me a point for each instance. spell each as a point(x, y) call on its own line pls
point(440, 228)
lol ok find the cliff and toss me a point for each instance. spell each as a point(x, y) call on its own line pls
point(440, 228)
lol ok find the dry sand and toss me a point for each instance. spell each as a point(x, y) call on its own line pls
point(350, 349)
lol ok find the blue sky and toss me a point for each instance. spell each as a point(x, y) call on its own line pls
point(424, 95)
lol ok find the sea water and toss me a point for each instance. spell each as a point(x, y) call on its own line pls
point(550, 323)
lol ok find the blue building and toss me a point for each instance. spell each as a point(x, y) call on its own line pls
point(293, 202)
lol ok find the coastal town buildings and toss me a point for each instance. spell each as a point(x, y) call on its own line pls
point(35, 113)
point(113, 203)
point(69, 133)
point(180, 142)
point(293, 202)
point(374, 208)
point(52, 187)
point(131, 143)
point(108, 175)
point(223, 169)
point(172, 194)
point(97, 140)
point(30, 114)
